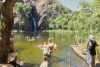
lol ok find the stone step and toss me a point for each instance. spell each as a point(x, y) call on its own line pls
point(6, 65)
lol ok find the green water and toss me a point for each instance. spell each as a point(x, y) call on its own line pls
point(30, 53)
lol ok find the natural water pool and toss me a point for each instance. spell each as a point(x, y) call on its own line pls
point(30, 53)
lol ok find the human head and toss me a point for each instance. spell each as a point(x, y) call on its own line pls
point(50, 40)
point(44, 42)
point(91, 37)
point(45, 59)
point(12, 35)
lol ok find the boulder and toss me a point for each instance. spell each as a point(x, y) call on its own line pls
point(6, 65)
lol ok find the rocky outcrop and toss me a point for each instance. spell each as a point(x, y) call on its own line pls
point(39, 12)
point(42, 10)
point(6, 65)
point(42, 6)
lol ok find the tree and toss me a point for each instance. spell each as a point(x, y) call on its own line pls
point(7, 25)
point(97, 4)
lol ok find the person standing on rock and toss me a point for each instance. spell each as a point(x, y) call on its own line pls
point(91, 48)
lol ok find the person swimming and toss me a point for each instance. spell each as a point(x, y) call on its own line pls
point(52, 45)
point(45, 63)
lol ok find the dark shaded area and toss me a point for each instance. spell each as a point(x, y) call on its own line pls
point(12, 64)
point(97, 65)
point(32, 24)
point(33, 20)
point(16, 26)
point(57, 59)
point(20, 1)
point(31, 65)
point(44, 24)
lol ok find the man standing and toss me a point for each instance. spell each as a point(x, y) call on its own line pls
point(91, 48)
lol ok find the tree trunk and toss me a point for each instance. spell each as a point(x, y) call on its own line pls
point(7, 25)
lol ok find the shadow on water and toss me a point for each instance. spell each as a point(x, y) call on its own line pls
point(31, 65)
point(57, 59)
point(97, 65)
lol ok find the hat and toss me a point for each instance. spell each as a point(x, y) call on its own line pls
point(91, 37)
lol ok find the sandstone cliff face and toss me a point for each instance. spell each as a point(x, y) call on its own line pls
point(40, 10)
point(42, 6)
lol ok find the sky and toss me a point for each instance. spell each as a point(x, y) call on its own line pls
point(73, 4)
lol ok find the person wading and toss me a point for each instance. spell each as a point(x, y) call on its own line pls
point(45, 49)
point(44, 63)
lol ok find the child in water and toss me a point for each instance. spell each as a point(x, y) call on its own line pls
point(44, 63)
point(46, 50)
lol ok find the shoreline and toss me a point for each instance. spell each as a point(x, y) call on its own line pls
point(79, 53)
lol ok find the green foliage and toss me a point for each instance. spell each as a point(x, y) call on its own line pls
point(23, 10)
point(83, 22)
point(97, 4)
point(59, 17)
